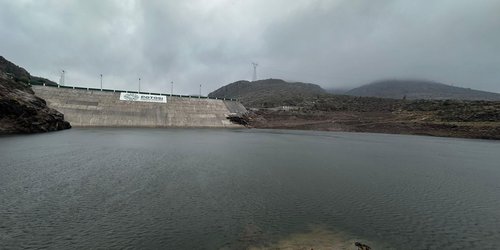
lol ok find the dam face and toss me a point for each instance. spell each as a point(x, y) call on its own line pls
point(96, 108)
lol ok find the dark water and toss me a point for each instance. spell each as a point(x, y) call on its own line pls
point(209, 189)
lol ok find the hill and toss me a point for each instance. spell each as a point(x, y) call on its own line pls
point(338, 90)
point(20, 110)
point(416, 89)
point(316, 109)
point(20, 75)
point(268, 93)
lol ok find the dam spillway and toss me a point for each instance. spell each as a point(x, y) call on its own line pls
point(84, 107)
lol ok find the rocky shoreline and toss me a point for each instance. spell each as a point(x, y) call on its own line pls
point(373, 122)
point(277, 104)
point(20, 110)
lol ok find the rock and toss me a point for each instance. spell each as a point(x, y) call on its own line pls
point(362, 246)
point(238, 119)
point(20, 110)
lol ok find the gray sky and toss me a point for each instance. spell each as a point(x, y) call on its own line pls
point(334, 43)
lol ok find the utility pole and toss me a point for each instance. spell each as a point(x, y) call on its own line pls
point(61, 80)
point(139, 85)
point(254, 71)
point(101, 82)
point(171, 88)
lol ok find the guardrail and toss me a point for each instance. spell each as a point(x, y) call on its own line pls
point(137, 92)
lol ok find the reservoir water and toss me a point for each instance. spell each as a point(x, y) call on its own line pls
point(235, 189)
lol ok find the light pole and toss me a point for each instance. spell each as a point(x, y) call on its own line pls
point(200, 92)
point(171, 88)
point(61, 80)
point(139, 85)
point(101, 82)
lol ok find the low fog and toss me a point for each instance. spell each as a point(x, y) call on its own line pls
point(337, 43)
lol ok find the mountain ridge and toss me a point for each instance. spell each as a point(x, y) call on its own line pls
point(420, 89)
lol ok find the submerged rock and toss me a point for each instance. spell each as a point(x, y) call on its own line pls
point(316, 237)
point(362, 246)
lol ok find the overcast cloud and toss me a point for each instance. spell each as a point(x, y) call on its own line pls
point(334, 43)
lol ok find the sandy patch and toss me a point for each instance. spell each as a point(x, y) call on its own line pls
point(317, 238)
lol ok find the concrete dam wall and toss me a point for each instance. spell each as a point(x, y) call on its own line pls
point(93, 107)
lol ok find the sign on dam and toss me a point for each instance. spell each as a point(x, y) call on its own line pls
point(84, 107)
point(142, 97)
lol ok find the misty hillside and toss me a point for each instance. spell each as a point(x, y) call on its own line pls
point(415, 89)
point(338, 91)
point(259, 93)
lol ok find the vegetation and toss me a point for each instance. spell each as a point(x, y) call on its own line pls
point(36, 80)
point(269, 93)
point(283, 105)
point(20, 76)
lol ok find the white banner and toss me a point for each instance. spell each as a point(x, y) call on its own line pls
point(142, 97)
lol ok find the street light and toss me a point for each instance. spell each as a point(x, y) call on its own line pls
point(101, 82)
point(61, 80)
point(172, 88)
point(139, 85)
point(200, 92)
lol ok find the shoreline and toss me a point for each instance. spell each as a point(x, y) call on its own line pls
point(372, 122)
point(460, 131)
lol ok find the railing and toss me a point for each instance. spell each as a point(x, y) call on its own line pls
point(137, 92)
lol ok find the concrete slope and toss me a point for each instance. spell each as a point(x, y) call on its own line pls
point(104, 108)
point(235, 107)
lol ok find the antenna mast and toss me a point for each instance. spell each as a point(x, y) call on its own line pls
point(254, 78)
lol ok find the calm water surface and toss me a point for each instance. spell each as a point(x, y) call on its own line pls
point(211, 189)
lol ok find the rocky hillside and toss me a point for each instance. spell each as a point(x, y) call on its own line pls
point(314, 109)
point(20, 110)
point(415, 89)
point(450, 118)
point(268, 93)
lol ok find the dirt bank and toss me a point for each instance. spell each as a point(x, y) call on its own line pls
point(398, 122)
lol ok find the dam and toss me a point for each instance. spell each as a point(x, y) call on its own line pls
point(88, 107)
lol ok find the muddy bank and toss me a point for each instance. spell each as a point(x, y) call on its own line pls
point(396, 122)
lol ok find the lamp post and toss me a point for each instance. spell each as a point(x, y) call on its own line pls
point(139, 85)
point(171, 88)
point(61, 80)
point(200, 92)
point(101, 82)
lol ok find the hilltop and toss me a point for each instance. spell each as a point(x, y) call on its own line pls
point(20, 110)
point(268, 93)
point(417, 89)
